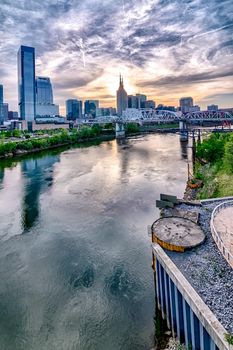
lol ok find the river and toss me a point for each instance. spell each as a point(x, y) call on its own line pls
point(75, 257)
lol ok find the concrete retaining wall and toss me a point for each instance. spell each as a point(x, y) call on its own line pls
point(223, 249)
point(187, 315)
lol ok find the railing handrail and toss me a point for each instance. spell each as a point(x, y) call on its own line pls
point(225, 251)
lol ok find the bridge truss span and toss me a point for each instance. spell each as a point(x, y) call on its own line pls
point(149, 115)
point(208, 116)
point(144, 116)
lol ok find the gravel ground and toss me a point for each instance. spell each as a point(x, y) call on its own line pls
point(207, 270)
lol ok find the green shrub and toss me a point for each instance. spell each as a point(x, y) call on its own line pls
point(229, 338)
point(108, 126)
point(59, 136)
point(228, 155)
point(132, 128)
point(16, 133)
point(85, 132)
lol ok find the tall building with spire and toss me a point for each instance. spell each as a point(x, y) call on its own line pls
point(122, 98)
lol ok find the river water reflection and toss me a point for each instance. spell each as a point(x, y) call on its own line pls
point(75, 258)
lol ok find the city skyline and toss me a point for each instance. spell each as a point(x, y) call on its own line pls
point(165, 50)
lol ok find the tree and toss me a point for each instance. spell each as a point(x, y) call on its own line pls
point(132, 128)
point(212, 148)
point(228, 155)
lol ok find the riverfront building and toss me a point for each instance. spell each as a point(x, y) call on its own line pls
point(12, 115)
point(44, 91)
point(122, 98)
point(132, 101)
point(26, 83)
point(141, 100)
point(186, 104)
point(90, 108)
point(5, 108)
point(1, 94)
point(212, 108)
point(73, 109)
point(1, 106)
point(44, 98)
point(105, 112)
point(150, 104)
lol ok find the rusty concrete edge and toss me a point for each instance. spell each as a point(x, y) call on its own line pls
point(175, 245)
point(202, 311)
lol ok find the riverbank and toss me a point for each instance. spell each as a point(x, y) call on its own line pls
point(23, 152)
point(214, 166)
point(19, 147)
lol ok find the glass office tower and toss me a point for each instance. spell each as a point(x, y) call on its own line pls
point(1, 106)
point(26, 83)
point(90, 107)
point(1, 93)
point(44, 91)
point(73, 109)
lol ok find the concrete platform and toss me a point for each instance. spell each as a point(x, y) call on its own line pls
point(206, 269)
point(223, 223)
point(177, 233)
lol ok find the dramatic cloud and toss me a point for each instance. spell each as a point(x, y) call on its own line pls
point(164, 48)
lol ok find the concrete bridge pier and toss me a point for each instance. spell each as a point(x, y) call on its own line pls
point(120, 130)
point(193, 150)
point(183, 130)
point(199, 136)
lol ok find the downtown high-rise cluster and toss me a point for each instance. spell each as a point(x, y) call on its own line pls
point(35, 98)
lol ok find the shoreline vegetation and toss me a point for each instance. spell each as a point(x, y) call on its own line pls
point(16, 143)
point(214, 166)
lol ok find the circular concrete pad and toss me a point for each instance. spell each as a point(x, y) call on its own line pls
point(175, 233)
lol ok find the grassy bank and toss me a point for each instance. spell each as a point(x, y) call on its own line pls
point(58, 138)
point(162, 126)
point(215, 166)
point(16, 143)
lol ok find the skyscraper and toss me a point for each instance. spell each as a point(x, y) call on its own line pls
point(44, 98)
point(1, 93)
point(150, 104)
point(105, 112)
point(73, 109)
point(122, 98)
point(1, 105)
point(141, 100)
point(132, 101)
point(44, 91)
point(26, 83)
point(212, 108)
point(90, 107)
point(186, 104)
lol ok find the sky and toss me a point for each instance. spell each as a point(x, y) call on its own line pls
point(165, 49)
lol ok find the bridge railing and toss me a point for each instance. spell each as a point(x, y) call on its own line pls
point(215, 234)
